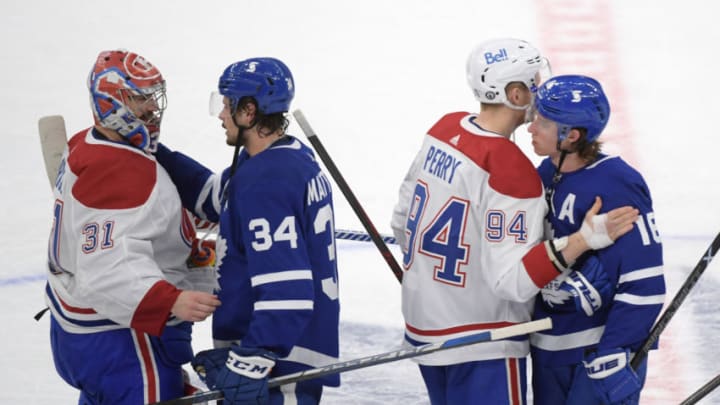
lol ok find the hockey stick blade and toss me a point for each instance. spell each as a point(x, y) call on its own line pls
point(53, 139)
point(349, 195)
point(702, 391)
point(680, 296)
point(489, 336)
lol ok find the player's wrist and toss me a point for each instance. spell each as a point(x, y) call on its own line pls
point(554, 249)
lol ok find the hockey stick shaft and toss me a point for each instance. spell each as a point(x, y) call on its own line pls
point(345, 234)
point(349, 195)
point(489, 336)
point(702, 391)
point(348, 234)
point(672, 308)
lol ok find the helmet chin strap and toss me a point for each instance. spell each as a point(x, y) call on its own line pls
point(240, 128)
point(557, 176)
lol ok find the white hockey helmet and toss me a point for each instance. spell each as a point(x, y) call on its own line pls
point(494, 64)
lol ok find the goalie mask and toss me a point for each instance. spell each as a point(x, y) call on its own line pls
point(127, 95)
point(494, 64)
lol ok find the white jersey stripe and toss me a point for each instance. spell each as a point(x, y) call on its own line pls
point(283, 304)
point(641, 300)
point(582, 338)
point(641, 274)
point(281, 276)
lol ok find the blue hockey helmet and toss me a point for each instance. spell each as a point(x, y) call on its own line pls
point(574, 101)
point(267, 80)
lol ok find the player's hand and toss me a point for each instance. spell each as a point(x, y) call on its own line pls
point(612, 377)
point(584, 290)
point(208, 363)
point(600, 231)
point(590, 286)
point(244, 379)
point(194, 306)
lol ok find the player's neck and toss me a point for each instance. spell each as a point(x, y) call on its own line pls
point(571, 163)
point(110, 134)
point(258, 142)
point(500, 120)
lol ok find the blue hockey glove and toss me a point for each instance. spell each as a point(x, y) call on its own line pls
point(612, 377)
point(244, 379)
point(586, 290)
point(590, 286)
point(174, 346)
point(208, 363)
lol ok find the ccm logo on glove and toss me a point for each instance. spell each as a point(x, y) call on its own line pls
point(255, 367)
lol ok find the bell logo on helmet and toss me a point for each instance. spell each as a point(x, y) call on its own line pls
point(491, 57)
point(495, 63)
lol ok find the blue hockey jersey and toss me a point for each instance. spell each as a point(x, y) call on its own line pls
point(275, 251)
point(633, 263)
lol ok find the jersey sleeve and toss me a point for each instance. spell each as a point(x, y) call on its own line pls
point(512, 216)
point(200, 189)
point(516, 260)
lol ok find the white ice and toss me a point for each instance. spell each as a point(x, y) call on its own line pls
point(371, 77)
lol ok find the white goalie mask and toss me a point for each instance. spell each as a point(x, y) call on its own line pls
point(494, 64)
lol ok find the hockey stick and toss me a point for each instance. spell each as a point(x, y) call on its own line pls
point(362, 236)
point(702, 391)
point(345, 234)
point(489, 336)
point(352, 200)
point(680, 296)
point(53, 138)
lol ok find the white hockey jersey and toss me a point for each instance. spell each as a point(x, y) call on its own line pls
point(469, 218)
point(119, 242)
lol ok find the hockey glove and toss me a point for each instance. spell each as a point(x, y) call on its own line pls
point(174, 346)
point(589, 286)
point(208, 363)
point(586, 290)
point(612, 377)
point(244, 379)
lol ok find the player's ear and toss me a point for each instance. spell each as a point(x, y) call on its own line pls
point(573, 135)
point(517, 94)
point(249, 109)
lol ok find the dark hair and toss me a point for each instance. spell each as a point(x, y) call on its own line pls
point(587, 151)
point(266, 123)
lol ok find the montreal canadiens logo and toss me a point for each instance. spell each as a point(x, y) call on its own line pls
point(139, 68)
